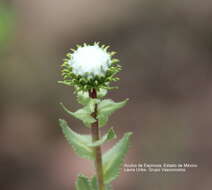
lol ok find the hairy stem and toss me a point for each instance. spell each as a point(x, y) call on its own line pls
point(96, 136)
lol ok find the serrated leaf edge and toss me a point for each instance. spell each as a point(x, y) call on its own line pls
point(91, 119)
point(71, 143)
point(126, 136)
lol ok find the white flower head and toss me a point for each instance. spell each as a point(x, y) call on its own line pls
point(90, 61)
point(90, 67)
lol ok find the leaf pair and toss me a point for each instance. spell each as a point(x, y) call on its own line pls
point(112, 159)
point(104, 109)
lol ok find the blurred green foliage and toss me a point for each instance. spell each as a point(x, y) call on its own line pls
point(6, 25)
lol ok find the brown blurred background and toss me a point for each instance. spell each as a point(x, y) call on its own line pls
point(165, 48)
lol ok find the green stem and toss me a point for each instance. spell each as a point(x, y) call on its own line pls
point(98, 153)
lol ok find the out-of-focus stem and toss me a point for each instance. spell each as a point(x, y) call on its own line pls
point(97, 150)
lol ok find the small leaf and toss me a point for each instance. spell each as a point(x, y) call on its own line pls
point(106, 108)
point(83, 183)
point(102, 119)
point(78, 142)
point(108, 136)
point(94, 183)
point(83, 114)
point(83, 97)
point(113, 158)
point(101, 93)
point(95, 187)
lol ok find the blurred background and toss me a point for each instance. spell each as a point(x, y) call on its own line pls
point(165, 48)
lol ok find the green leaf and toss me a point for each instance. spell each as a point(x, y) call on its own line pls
point(83, 114)
point(83, 183)
point(102, 119)
point(95, 187)
point(78, 142)
point(113, 158)
point(101, 93)
point(108, 136)
point(106, 108)
point(94, 183)
point(83, 97)
point(7, 18)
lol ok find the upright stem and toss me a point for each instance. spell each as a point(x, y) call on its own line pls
point(96, 136)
